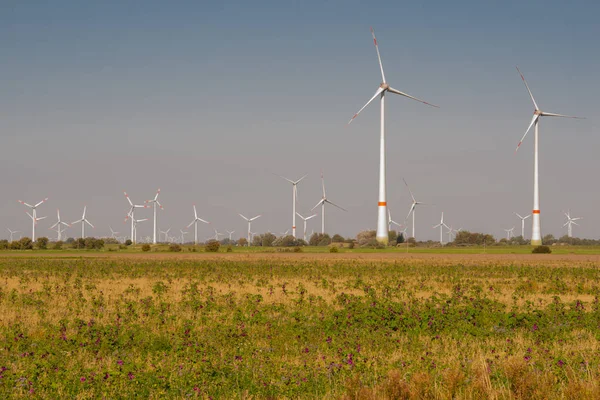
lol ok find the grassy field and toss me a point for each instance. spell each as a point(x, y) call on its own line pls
point(288, 325)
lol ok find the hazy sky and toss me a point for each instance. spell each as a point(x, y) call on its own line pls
point(207, 100)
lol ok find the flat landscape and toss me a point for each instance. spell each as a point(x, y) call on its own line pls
point(288, 325)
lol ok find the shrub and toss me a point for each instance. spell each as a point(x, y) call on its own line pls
point(351, 245)
point(242, 242)
point(42, 243)
point(337, 238)
point(25, 243)
point(334, 249)
point(541, 250)
point(212, 246)
point(298, 249)
point(4, 245)
point(229, 249)
point(146, 247)
point(58, 245)
point(174, 247)
point(128, 242)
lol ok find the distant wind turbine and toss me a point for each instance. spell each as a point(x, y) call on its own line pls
point(441, 225)
point(230, 233)
point(305, 219)
point(391, 221)
point(509, 232)
point(195, 223)
point(522, 223)
point(33, 215)
point(57, 225)
point(322, 204)
point(155, 203)
point(131, 214)
point(384, 87)
point(83, 221)
point(12, 234)
point(536, 231)
point(294, 198)
point(570, 222)
point(249, 220)
point(413, 208)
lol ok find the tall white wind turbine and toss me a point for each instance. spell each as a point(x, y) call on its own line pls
point(322, 204)
point(155, 203)
point(522, 223)
point(441, 225)
point(509, 232)
point(195, 223)
point(217, 234)
point(413, 207)
point(83, 221)
point(33, 215)
point(249, 220)
point(12, 233)
point(166, 233)
point(570, 222)
point(57, 225)
point(305, 219)
point(135, 224)
point(113, 234)
point(384, 87)
point(536, 231)
point(294, 198)
point(131, 214)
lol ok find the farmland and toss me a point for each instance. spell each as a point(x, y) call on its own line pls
point(287, 325)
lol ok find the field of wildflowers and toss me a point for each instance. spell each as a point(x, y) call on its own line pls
point(299, 328)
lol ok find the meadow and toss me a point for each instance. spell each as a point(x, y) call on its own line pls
point(299, 325)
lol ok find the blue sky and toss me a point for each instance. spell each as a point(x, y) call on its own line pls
point(207, 100)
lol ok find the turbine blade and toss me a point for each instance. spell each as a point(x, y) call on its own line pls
point(527, 86)
point(298, 214)
point(318, 204)
point(378, 55)
point(333, 204)
point(410, 191)
point(41, 202)
point(298, 181)
point(191, 223)
point(90, 224)
point(377, 93)
point(258, 216)
point(535, 117)
point(323, 183)
point(128, 199)
point(243, 217)
point(283, 177)
point(195, 213)
point(518, 215)
point(410, 97)
point(412, 208)
point(547, 114)
point(206, 222)
point(52, 227)
point(25, 204)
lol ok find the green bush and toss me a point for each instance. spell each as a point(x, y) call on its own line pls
point(146, 247)
point(42, 243)
point(212, 246)
point(174, 247)
point(229, 249)
point(334, 249)
point(298, 249)
point(128, 242)
point(541, 250)
point(58, 245)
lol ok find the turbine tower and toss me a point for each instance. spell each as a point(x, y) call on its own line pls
point(131, 214)
point(536, 231)
point(155, 202)
point(384, 87)
point(33, 215)
point(570, 222)
point(249, 220)
point(195, 223)
point(305, 219)
point(522, 223)
point(441, 225)
point(83, 221)
point(322, 204)
point(294, 198)
point(57, 225)
point(413, 207)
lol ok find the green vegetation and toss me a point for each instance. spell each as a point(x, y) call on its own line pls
point(269, 328)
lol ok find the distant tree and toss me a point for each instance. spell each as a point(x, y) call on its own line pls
point(146, 247)
point(58, 245)
point(267, 239)
point(289, 241)
point(319, 239)
point(549, 240)
point(42, 243)
point(257, 240)
point(392, 237)
point(69, 240)
point(4, 245)
point(337, 238)
point(242, 242)
point(89, 243)
point(365, 237)
point(128, 242)
point(15, 245)
point(25, 243)
point(400, 238)
point(212, 246)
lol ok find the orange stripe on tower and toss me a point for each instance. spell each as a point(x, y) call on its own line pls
point(382, 203)
point(293, 227)
point(536, 211)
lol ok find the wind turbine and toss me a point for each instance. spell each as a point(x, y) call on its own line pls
point(195, 223)
point(391, 221)
point(536, 231)
point(113, 234)
point(284, 234)
point(413, 207)
point(33, 215)
point(509, 232)
point(183, 233)
point(249, 220)
point(12, 234)
point(570, 222)
point(83, 221)
point(384, 87)
point(166, 233)
point(305, 219)
point(441, 225)
point(322, 204)
point(522, 223)
point(58, 224)
point(131, 214)
point(155, 202)
point(217, 234)
point(230, 233)
point(135, 224)
point(294, 198)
